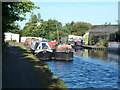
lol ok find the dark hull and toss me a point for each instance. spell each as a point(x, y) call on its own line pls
point(33, 51)
point(63, 56)
point(44, 56)
point(77, 47)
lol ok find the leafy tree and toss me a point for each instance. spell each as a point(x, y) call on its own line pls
point(30, 28)
point(48, 29)
point(107, 23)
point(34, 19)
point(39, 16)
point(16, 28)
point(77, 28)
point(67, 29)
point(14, 11)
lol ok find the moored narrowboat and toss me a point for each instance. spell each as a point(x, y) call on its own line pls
point(78, 44)
point(34, 46)
point(63, 52)
point(43, 51)
point(28, 42)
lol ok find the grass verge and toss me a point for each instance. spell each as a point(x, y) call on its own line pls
point(44, 74)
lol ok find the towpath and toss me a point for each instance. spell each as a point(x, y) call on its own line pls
point(16, 71)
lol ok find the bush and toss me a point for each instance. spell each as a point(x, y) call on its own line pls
point(102, 42)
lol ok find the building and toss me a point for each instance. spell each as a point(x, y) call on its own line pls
point(86, 38)
point(11, 36)
point(103, 32)
point(74, 38)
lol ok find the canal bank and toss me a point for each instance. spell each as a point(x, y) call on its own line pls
point(42, 73)
point(94, 47)
point(116, 50)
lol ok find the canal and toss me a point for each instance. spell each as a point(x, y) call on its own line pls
point(89, 69)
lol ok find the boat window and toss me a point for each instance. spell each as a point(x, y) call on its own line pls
point(36, 45)
point(46, 46)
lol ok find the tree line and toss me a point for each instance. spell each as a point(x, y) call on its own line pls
point(48, 29)
point(16, 11)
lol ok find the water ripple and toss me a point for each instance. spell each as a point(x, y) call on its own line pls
point(86, 72)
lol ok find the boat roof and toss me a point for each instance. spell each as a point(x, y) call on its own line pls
point(43, 43)
point(64, 46)
point(52, 44)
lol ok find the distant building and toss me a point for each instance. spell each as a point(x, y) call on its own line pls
point(86, 38)
point(102, 31)
point(74, 38)
point(11, 36)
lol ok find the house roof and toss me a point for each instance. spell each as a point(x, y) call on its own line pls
point(104, 28)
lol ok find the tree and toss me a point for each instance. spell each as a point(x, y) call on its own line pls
point(34, 19)
point(77, 28)
point(47, 30)
point(107, 23)
point(67, 29)
point(16, 28)
point(14, 11)
point(39, 16)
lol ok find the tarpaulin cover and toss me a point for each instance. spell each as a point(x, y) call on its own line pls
point(78, 43)
point(52, 44)
point(28, 41)
point(62, 48)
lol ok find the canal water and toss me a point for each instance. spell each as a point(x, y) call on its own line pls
point(89, 69)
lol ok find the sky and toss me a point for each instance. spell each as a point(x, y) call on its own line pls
point(96, 13)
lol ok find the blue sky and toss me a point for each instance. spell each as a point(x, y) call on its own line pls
point(96, 13)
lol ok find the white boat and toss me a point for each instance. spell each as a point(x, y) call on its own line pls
point(43, 51)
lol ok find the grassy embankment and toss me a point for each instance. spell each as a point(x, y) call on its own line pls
point(42, 71)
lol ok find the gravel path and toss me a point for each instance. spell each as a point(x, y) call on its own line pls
point(17, 72)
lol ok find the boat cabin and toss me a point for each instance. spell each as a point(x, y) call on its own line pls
point(42, 45)
point(78, 43)
point(63, 48)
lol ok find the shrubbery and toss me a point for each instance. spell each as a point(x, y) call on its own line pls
point(102, 42)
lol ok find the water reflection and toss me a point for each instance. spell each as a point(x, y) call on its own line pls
point(81, 52)
point(97, 54)
point(89, 69)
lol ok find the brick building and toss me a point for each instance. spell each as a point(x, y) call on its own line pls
point(102, 31)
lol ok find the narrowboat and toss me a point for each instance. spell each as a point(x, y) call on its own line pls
point(72, 43)
point(28, 42)
point(63, 52)
point(34, 46)
point(78, 44)
point(43, 51)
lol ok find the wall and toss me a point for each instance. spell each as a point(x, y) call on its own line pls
point(11, 36)
point(15, 37)
point(8, 36)
point(86, 38)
